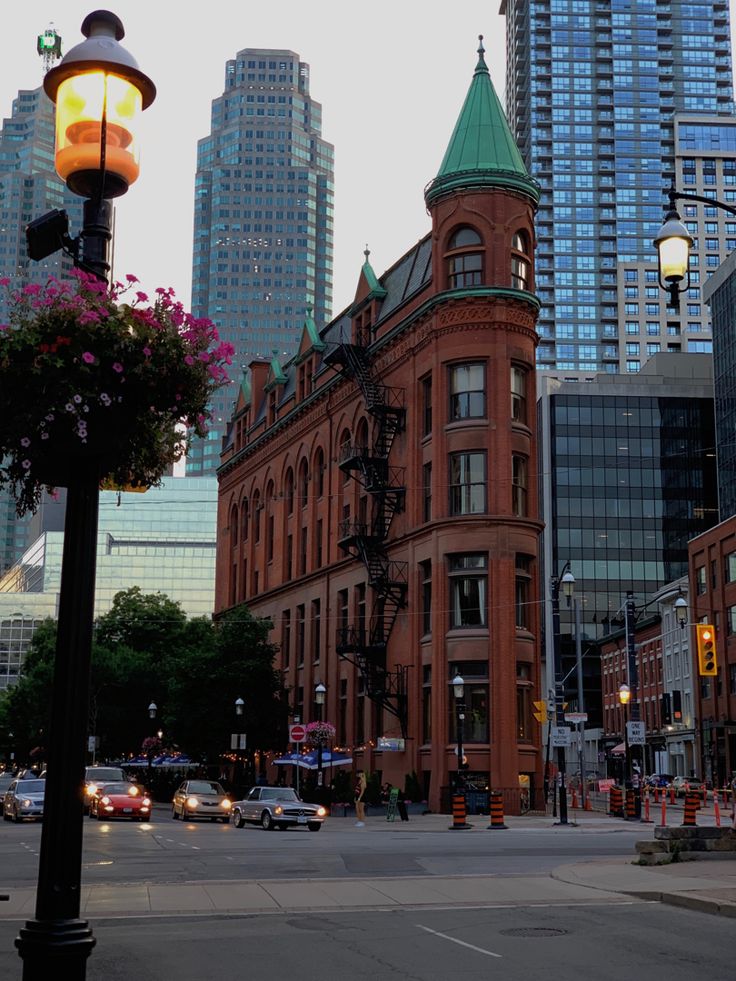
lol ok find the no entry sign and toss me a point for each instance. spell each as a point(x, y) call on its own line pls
point(297, 734)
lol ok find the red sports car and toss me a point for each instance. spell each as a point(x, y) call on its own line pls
point(123, 800)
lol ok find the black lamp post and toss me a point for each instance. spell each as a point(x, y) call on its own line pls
point(624, 697)
point(152, 709)
point(458, 690)
point(673, 244)
point(566, 581)
point(319, 701)
point(239, 739)
point(99, 91)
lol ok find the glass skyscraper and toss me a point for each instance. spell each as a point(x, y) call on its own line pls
point(592, 89)
point(263, 220)
point(29, 187)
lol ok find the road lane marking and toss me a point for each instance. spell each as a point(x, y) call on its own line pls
point(454, 940)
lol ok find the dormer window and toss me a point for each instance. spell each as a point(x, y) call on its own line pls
point(464, 259)
point(520, 264)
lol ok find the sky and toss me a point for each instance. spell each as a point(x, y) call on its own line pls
point(391, 76)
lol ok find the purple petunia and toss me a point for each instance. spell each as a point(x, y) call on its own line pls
point(117, 367)
point(88, 357)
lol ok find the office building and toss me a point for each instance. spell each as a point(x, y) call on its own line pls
point(413, 560)
point(162, 541)
point(592, 92)
point(720, 294)
point(263, 226)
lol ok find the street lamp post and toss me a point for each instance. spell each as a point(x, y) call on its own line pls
point(319, 700)
point(673, 244)
point(99, 91)
point(458, 689)
point(152, 709)
point(239, 738)
point(565, 581)
point(624, 697)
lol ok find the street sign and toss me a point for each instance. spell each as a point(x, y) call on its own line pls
point(576, 716)
point(297, 734)
point(237, 740)
point(637, 733)
point(560, 735)
point(541, 711)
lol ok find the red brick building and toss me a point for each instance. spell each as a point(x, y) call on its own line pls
point(378, 494)
point(712, 576)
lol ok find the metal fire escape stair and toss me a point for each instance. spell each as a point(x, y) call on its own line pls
point(367, 646)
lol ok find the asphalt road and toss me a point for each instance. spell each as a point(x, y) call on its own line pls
point(176, 851)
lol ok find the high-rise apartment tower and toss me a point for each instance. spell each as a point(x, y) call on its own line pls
point(262, 254)
point(592, 89)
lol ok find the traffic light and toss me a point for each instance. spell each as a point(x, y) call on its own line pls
point(541, 711)
point(677, 705)
point(666, 709)
point(706, 642)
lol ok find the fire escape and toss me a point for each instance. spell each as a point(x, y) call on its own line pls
point(366, 644)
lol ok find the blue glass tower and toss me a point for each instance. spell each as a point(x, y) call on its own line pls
point(263, 223)
point(592, 90)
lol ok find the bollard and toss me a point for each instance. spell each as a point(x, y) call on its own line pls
point(664, 811)
point(691, 810)
point(717, 808)
point(672, 794)
point(656, 795)
point(496, 811)
point(458, 813)
point(574, 802)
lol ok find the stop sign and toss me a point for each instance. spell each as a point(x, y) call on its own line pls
point(297, 734)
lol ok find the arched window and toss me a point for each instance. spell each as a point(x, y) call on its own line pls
point(268, 503)
point(244, 519)
point(464, 259)
point(256, 517)
point(289, 491)
point(303, 483)
point(520, 265)
point(234, 525)
point(319, 472)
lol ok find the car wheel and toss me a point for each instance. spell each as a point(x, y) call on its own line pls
point(266, 821)
point(174, 815)
point(6, 816)
point(314, 825)
point(100, 817)
point(236, 818)
point(282, 827)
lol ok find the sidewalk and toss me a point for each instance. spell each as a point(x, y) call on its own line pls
point(704, 884)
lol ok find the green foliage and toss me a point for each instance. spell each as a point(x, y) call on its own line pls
point(146, 650)
point(372, 794)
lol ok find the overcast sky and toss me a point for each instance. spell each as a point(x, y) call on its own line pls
point(391, 76)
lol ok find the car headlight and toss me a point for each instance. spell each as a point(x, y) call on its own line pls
point(106, 801)
point(192, 802)
point(134, 791)
point(227, 804)
point(92, 789)
point(321, 812)
point(25, 803)
point(145, 802)
point(278, 809)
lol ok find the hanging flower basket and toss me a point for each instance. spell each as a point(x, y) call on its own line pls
point(95, 383)
point(320, 732)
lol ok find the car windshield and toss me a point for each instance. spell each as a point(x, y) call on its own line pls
point(101, 773)
point(204, 787)
point(278, 793)
point(31, 787)
point(121, 788)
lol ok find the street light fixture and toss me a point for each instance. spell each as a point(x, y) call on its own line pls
point(458, 689)
point(673, 244)
point(681, 611)
point(624, 697)
point(152, 709)
point(96, 156)
point(239, 706)
point(319, 700)
point(565, 581)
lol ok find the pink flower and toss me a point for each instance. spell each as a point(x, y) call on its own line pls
point(188, 359)
point(147, 352)
point(88, 357)
point(4, 281)
point(117, 367)
point(25, 441)
point(131, 278)
point(143, 297)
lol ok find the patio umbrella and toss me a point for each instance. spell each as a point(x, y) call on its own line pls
point(309, 760)
point(291, 759)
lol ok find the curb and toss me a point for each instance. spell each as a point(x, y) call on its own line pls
point(684, 901)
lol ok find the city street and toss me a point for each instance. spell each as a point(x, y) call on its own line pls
point(416, 901)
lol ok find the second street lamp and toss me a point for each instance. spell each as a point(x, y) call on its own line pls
point(565, 581)
point(458, 690)
point(319, 700)
point(624, 697)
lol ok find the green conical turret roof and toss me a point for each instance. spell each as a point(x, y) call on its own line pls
point(482, 152)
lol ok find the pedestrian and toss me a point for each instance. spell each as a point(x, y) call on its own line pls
point(401, 806)
point(359, 798)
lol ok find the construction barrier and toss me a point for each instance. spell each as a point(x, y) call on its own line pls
point(458, 813)
point(630, 805)
point(692, 802)
point(574, 801)
point(672, 795)
point(656, 795)
point(496, 811)
point(616, 802)
point(717, 808)
point(646, 819)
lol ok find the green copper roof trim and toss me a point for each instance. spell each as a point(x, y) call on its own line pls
point(277, 375)
point(245, 388)
point(482, 142)
point(376, 290)
point(317, 343)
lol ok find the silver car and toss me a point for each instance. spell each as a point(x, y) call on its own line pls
point(276, 807)
point(201, 799)
point(24, 799)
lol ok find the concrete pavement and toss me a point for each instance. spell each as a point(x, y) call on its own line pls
point(704, 884)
